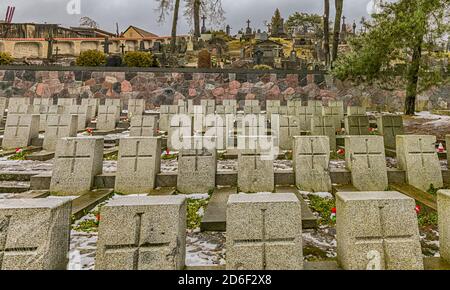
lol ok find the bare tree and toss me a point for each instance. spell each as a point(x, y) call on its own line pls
point(337, 27)
point(326, 31)
point(212, 9)
point(164, 8)
point(88, 22)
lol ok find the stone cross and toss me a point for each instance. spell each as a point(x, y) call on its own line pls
point(443, 209)
point(377, 231)
point(389, 127)
point(59, 126)
point(316, 107)
point(357, 125)
point(20, 130)
point(203, 30)
point(323, 126)
point(122, 48)
point(142, 233)
point(34, 234)
point(107, 118)
point(254, 173)
point(253, 228)
point(304, 114)
point(288, 129)
point(144, 126)
point(311, 157)
point(366, 160)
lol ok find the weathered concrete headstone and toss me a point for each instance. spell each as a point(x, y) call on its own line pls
point(216, 128)
point(334, 104)
point(289, 127)
point(113, 102)
point(107, 118)
point(93, 103)
point(34, 233)
point(447, 144)
point(196, 170)
point(316, 107)
point(59, 126)
point(83, 113)
point(166, 112)
point(337, 113)
point(136, 107)
point(389, 127)
point(252, 110)
point(356, 111)
point(264, 232)
point(180, 128)
point(138, 164)
point(255, 172)
point(443, 204)
point(144, 126)
point(324, 126)
point(46, 112)
point(366, 160)
point(20, 130)
point(304, 115)
point(21, 109)
point(14, 102)
point(67, 102)
point(209, 106)
point(357, 125)
point(43, 101)
point(142, 233)
point(3, 106)
point(77, 162)
point(311, 158)
point(416, 154)
point(377, 231)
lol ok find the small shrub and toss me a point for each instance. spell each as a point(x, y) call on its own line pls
point(140, 59)
point(5, 58)
point(19, 155)
point(262, 67)
point(193, 217)
point(204, 59)
point(324, 207)
point(91, 58)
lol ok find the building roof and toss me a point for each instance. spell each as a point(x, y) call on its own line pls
point(92, 32)
point(141, 32)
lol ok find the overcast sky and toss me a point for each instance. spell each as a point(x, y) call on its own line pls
point(142, 12)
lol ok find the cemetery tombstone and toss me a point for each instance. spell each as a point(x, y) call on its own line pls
point(77, 162)
point(209, 106)
point(264, 232)
point(324, 126)
point(138, 164)
point(389, 127)
point(443, 208)
point(136, 107)
point(289, 127)
point(3, 102)
point(34, 233)
point(416, 154)
point(316, 107)
point(83, 112)
point(144, 126)
point(59, 126)
point(304, 115)
point(93, 103)
point(142, 233)
point(337, 113)
point(357, 125)
point(20, 130)
point(255, 171)
point(356, 111)
point(14, 102)
point(67, 102)
point(107, 117)
point(447, 144)
point(377, 231)
point(311, 158)
point(366, 160)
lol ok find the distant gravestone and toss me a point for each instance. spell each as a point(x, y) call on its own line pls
point(264, 232)
point(252, 109)
point(337, 113)
point(22, 109)
point(113, 102)
point(179, 129)
point(14, 102)
point(324, 126)
point(311, 158)
point(84, 114)
point(416, 154)
point(356, 111)
point(334, 104)
point(316, 107)
point(136, 107)
point(144, 126)
point(377, 231)
point(196, 171)
point(166, 112)
point(34, 233)
point(209, 106)
point(255, 173)
point(59, 126)
point(94, 103)
point(304, 115)
point(447, 144)
point(289, 127)
point(107, 117)
point(42, 101)
point(77, 162)
point(20, 130)
point(138, 164)
point(366, 160)
point(142, 233)
point(3, 102)
point(443, 208)
point(216, 130)
point(67, 102)
point(46, 112)
point(357, 125)
point(389, 127)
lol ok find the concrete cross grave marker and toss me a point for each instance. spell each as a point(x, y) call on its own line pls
point(289, 127)
point(20, 130)
point(84, 113)
point(136, 107)
point(377, 231)
point(77, 162)
point(324, 126)
point(107, 118)
point(255, 172)
point(389, 127)
point(337, 113)
point(304, 115)
point(59, 126)
point(142, 233)
point(144, 126)
point(443, 208)
point(316, 107)
point(34, 234)
point(357, 125)
point(311, 158)
point(264, 232)
point(138, 164)
point(416, 154)
point(356, 111)
point(366, 160)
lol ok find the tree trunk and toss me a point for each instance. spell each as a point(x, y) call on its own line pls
point(197, 18)
point(337, 27)
point(326, 32)
point(412, 79)
point(173, 41)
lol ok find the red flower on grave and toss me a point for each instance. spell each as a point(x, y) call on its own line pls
point(418, 209)
point(167, 151)
point(333, 210)
point(341, 152)
point(441, 148)
point(18, 150)
point(98, 217)
point(89, 131)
